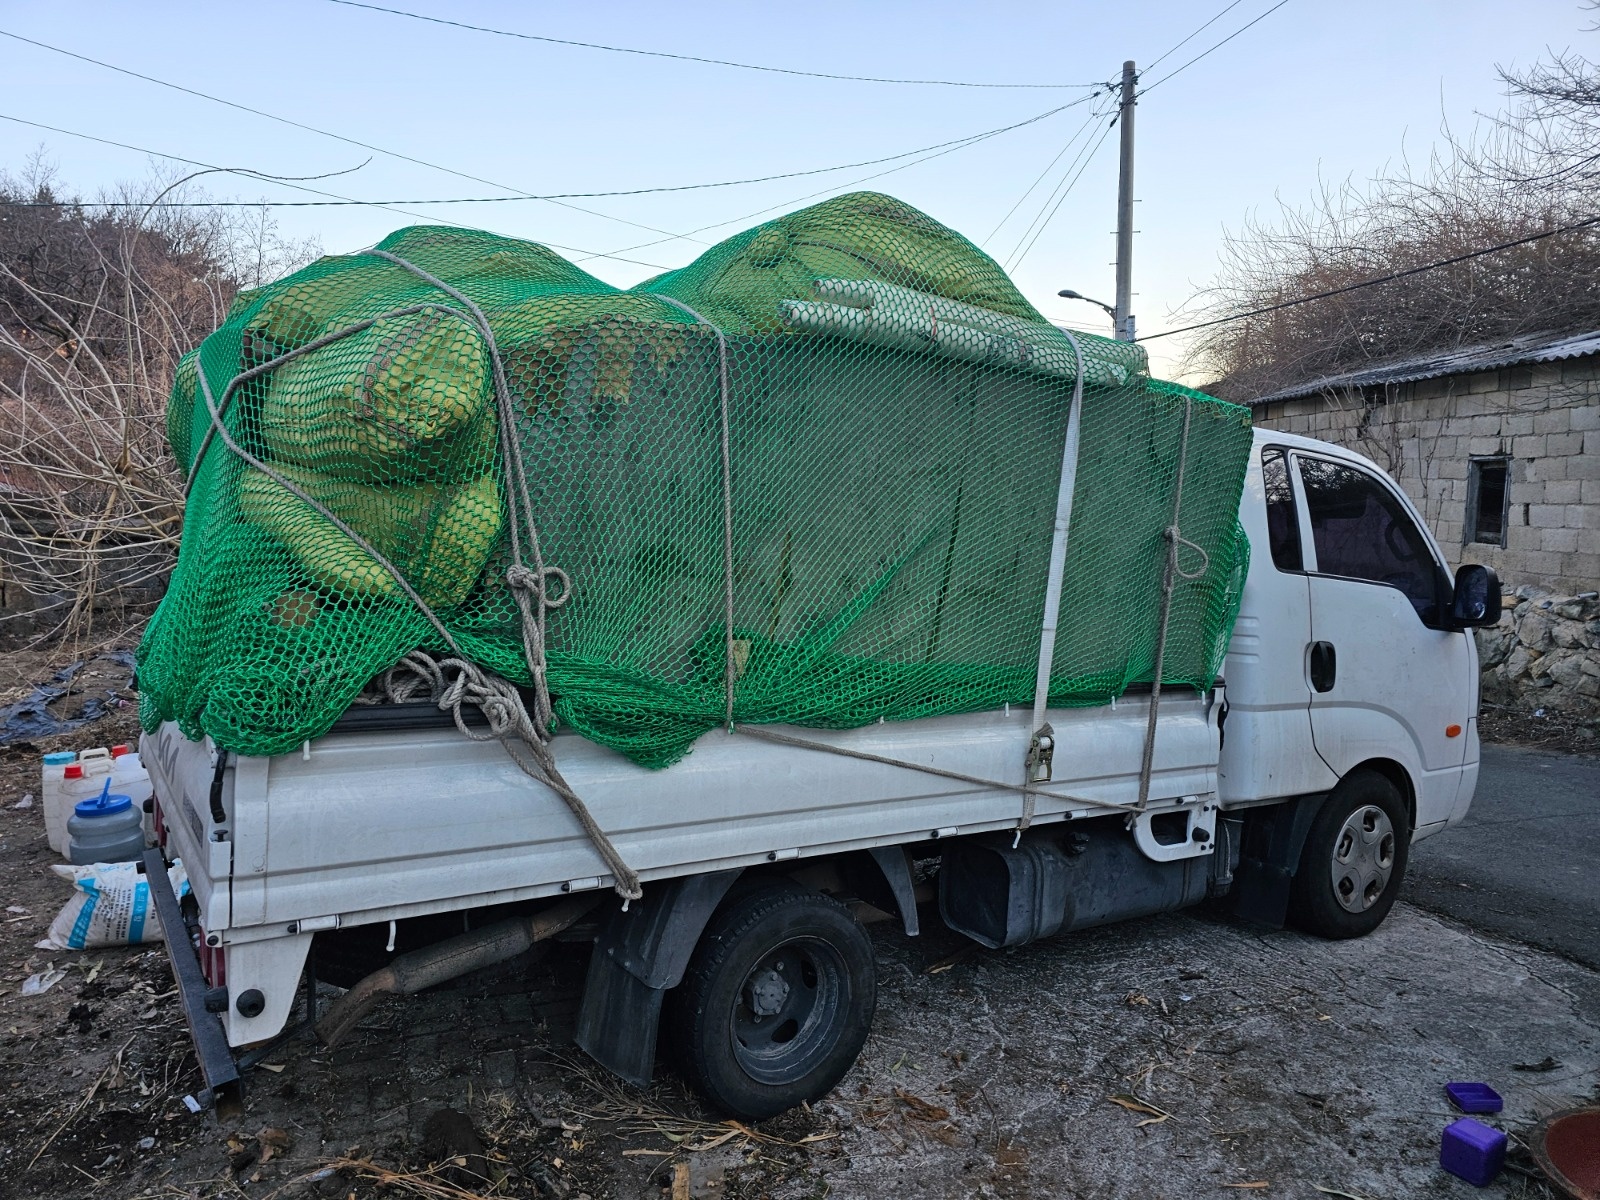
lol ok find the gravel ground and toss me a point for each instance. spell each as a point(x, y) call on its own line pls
point(1182, 1056)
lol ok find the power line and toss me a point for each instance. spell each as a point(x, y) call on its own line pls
point(281, 180)
point(1050, 166)
point(1056, 190)
point(1088, 145)
point(1087, 158)
point(1150, 65)
point(939, 153)
point(686, 187)
point(716, 62)
point(1366, 283)
point(177, 87)
point(1216, 46)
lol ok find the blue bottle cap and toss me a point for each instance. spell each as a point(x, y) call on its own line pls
point(60, 758)
point(105, 804)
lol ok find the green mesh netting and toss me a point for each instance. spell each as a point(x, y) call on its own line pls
point(896, 412)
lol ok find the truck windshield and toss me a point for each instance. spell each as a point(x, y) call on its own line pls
point(1361, 531)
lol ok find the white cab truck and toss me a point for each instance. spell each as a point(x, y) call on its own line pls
point(394, 853)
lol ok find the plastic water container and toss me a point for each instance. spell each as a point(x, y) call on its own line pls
point(81, 775)
point(77, 786)
point(130, 779)
point(96, 761)
point(105, 829)
point(52, 798)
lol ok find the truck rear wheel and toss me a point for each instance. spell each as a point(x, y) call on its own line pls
point(776, 1003)
point(1354, 859)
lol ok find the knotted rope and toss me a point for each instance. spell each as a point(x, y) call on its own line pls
point(537, 588)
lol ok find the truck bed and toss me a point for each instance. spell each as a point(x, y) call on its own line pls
point(382, 825)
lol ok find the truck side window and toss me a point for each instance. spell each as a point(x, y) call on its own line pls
point(1283, 522)
point(1360, 531)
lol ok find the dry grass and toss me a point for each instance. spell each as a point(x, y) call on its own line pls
point(643, 1114)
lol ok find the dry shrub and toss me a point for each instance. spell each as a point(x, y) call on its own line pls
point(97, 304)
point(1532, 169)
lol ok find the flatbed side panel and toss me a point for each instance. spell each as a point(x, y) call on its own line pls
point(371, 821)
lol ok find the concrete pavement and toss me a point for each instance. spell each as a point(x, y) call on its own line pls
point(1525, 864)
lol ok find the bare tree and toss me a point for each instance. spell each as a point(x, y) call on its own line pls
point(97, 304)
point(1533, 169)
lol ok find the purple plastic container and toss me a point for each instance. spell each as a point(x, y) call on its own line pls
point(1472, 1151)
point(1474, 1097)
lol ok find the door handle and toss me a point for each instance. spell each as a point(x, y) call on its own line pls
point(1324, 666)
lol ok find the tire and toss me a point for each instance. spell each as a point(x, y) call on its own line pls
point(776, 1003)
point(1354, 859)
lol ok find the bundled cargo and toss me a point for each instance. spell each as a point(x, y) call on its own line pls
point(816, 469)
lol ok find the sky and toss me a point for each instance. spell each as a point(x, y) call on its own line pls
point(1312, 92)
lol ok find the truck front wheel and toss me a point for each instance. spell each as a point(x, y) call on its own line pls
point(1354, 859)
point(776, 1003)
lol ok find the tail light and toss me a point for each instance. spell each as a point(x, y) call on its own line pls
point(213, 961)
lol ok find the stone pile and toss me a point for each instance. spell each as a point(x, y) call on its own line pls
point(1544, 653)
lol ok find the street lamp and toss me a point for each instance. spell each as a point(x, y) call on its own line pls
point(1069, 294)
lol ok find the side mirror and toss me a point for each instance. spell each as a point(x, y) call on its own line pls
point(1476, 600)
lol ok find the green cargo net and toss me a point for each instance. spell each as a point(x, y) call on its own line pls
point(849, 418)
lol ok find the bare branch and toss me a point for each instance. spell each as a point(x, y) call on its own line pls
point(96, 308)
point(1529, 170)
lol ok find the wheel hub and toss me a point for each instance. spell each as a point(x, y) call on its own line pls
point(1363, 858)
point(787, 1015)
point(768, 991)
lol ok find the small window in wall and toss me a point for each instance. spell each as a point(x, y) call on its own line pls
point(1486, 501)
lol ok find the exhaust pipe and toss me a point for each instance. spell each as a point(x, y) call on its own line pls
point(448, 960)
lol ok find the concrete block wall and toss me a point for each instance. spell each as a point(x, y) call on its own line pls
point(1544, 417)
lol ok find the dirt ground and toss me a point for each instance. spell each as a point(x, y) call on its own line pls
point(1540, 729)
point(1182, 1056)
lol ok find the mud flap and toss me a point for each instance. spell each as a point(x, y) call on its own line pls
point(1273, 840)
point(640, 954)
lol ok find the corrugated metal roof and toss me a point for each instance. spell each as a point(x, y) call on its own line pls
point(1529, 348)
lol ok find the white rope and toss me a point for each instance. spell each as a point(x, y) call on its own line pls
point(529, 585)
point(1031, 790)
point(453, 682)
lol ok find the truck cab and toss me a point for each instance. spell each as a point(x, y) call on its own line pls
point(1348, 652)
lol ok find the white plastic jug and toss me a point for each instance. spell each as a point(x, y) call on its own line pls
point(129, 778)
point(51, 799)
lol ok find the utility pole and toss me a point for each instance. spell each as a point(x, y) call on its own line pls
point(1123, 317)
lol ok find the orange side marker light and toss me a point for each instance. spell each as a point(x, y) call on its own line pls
point(1452, 731)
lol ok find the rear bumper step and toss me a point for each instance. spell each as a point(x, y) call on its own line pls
point(217, 1063)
